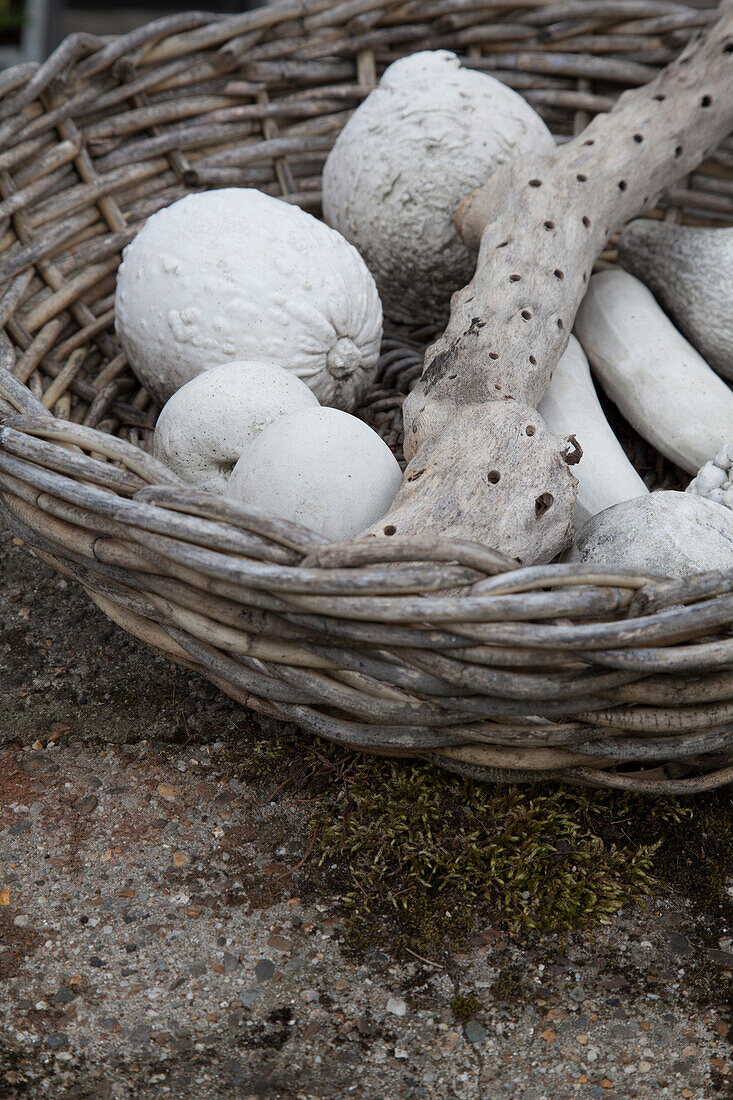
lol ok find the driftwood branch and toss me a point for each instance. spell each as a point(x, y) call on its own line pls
point(482, 464)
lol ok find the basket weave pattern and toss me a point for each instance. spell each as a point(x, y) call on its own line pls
point(591, 675)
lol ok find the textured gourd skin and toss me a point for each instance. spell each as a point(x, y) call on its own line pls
point(715, 479)
point(666, 391)
point(690, 272)
point(429, 134)
point(319, 467)
point(204, 427)
point(571, 407)
point(667, 533)
point(236, 274)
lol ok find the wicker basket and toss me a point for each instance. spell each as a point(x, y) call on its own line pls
point(595, 677)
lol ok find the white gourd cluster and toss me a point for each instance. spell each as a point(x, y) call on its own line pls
point(260, 327)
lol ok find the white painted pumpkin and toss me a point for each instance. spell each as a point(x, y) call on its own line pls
point(667, 533)
point(236, 274)
point(428, 135)
point(319, 467)
point(204, 427)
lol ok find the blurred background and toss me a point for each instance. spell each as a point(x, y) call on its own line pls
point(30, 29)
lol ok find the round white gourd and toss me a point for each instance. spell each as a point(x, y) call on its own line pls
point(428, 135)
point(319, 467)
point(236, 274)
point(668, 533)
point(204, 427)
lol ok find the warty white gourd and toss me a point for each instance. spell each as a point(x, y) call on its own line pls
point(204, 427)
point(663, 387)
point(714, 480)
point(667, 533)
point(320, 467)
point(236, 274)
point(430, 133)
point(571, 407)
point(690, 272)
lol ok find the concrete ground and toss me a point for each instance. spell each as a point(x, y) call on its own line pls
point(161, 933)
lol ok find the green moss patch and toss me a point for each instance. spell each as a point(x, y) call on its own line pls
point(422, 859)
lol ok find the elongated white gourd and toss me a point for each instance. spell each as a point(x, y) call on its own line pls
point(666, 391)
point(571, 407)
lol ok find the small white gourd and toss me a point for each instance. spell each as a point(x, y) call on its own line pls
point(236, 274)
point(204, 427)
point(665, 390)
point(320, 467)
point(666, 533)
point(715, 479)
point(571, 407)
point(428, 135)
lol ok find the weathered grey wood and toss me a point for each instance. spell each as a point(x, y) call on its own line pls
point(541, 222)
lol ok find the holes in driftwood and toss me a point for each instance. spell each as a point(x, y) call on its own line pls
point(558, 273)
point(530, 430)
point(638, 138)
point(414, 475)
point(390, 529)
point(586, 221)
point(549, 225)
point(503, 244)
point(533, 361)
point(728, 48)
point(590, 141)
point(678, 151)
point(560, 324)
point(493, 477)
point(659, 98)
point(581, 178)
point(622, 185)
point(514, 278)
point(493, 355)
point(706, 101)
point(543, 504)
point(535, 183)
point(526, 315)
